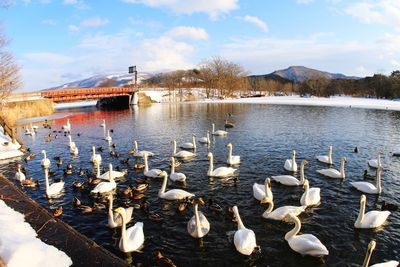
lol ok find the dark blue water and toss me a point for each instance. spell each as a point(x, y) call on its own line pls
point(264, 137)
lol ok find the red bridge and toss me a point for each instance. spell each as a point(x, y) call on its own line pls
point(65, 95)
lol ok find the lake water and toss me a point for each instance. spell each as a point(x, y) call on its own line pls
point(264, 137)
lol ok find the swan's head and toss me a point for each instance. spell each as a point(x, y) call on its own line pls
point(289, 217)
point(363, 199)
point(200, 201)
point(172, 159)
point(267, 182)
point(265, 200)
point(193, 135)
point(304, 162)
point(209, 155)
point(306, 184)
point(371, 245)
point(120, 211)
point(235, 212)
point(330, 148)
point(229, 145)
point(294, 153)
point(42, 152)
point(163, 174)
point(344, 159)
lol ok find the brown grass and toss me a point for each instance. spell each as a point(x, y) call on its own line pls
point(11, 112)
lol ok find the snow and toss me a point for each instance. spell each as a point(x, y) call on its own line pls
point(7, 148)
point(155, 96)
point(19, 245)
point(75, 104)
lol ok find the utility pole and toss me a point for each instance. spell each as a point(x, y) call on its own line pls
point(135, 100)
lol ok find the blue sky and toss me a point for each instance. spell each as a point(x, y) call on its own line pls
point(58, 41)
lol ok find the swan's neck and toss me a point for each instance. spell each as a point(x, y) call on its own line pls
point(239, 220)
point(197, 219)
point(163, 186)
point(98, 170)
point(367, 258)
point(293, 158)
point(93, 152)
point(194, 142)
point(306, 191)
point(292, 233)
point(46, 178)
point(230, 152)
point(146, 166)
point(174, 148)
point(361, 213)
point(379, 159)
point(110, 177)
point(378, 181)
point(44, 154)
point(211, 167)
point(123, 230)
point(208, 137)
point(172, 166)
point(70, 139)
point(136, 146)
point(330, 156)
point(108, 133)
point(110, 206)
point(342, 173)
point(302, 178)
point(270, 207)
point(213, 127)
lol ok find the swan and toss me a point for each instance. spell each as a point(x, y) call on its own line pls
point(219, 172)
point(305, 244)
point(113, 219)
point(290, 164)
point(153, 173)
point(370, 219)
point(105, 187)
point(176, 176)
point(45, 162)
point(279, 213)
point(133, 237)
point(181, 154)
point(103, 124)
point(67, 127)
point(311, 196)
point(371, 247)
point(30, 131)
point(54, 188)
point(244, 239)
point(289, 179)
point(369, 188)
point(333, 173)
point(173, 194)
point(261, 191)
point(326, 159)
point(70, 143)
point(19, 175)
point(74, 150)
point(106, 175)
point(189, 145)
point(218, 132)
point(376, 163)
point(232, 160)
point(96, 158)
point(140, 153)
point(198, 226)
point(108, 137)
point(206, 139)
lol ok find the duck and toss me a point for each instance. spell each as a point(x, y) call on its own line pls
point(182, 206)
point(45, 162)
point(19, 175)
point(198, 226)
point(290, 180)
point(370, 219)
point(137, 196)
point(108, 137)
point(29, 182)
point(371, 247)
point(29, 157)
point(176, 164)
point(232, 160)
point(140, 187)
point(94, 181)
point(368, 176)
point(220, 171)
point(182, 154)
point(58, 212)
point(86, 209)
point(214, 206)
point(189, 145)
point(229, 124)
point(326, 159)
point(218, 132)
point(176, 176)
point(153, 173)
point(290, 164)
point(132, 239)
point(333, 173)
point(376, 163)
point(388, 206)
point(206, 139)
point(356, 150)
point(53, 189)
point(107, 186)
point(244, 238)
point(173, 194)
point(369, 188)
point(59, 161)
point(138, 166)
point(260, 191)
point(114, 220)
point(140, 153)
point(96, 158)
point(311, 196)
point(279, 213)
point(155, 216)
point(163, 261)
point(305, 244)
point(76, 202)
point(125, 161)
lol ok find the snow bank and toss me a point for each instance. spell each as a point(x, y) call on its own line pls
point(7, 148)
point(19, 245)
point(155, 96)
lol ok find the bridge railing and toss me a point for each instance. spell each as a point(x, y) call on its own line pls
point(87, 91)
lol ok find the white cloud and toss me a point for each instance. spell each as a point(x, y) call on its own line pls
point(304, 2)
point(256, 21)
point(94, 22)
point(73, 28)
point(385, 12)
point(214, 8)
point(188, 32)
point(79, 4)
point(49, 22)
point(70, 2)
point(49, 58)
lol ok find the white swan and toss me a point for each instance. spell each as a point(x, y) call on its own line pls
point(106, 175)
point(290, 164)
point(96, 158)
point(140, 153)
point(306, 244)
point(103, 124)
point(132, 238)
point(376, 163)
point(74, 150)
point(370, 219)
point(173, 194)
point(311, 196)
point(189, 145)
point(218, 132)
point(108, 137)
point(219, 172)
point(114, 220)
point(183, 154)
point(176, 176)
point(70, 143)
point(279, 213)
point(369, 188)
point(45, 162)
point(198, 226)
point(19, 175)
point(326, 159)
point(333, 173)
point(371, 247)
point(290, 180)
point(260, 191)
point(67, 127)
point(54, 188)
point(232, 160)
point(105, 187)
point(153, 173)
point(244, 239)
point(206, 139)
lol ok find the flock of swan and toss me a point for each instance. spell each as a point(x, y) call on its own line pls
point(132, 238)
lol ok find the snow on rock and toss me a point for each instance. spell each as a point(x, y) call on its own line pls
point(19, 245)
point(7, 148)
point(155, 96)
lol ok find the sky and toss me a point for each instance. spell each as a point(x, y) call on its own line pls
point(60, 41)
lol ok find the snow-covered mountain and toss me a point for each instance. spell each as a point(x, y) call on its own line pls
point(300, 73)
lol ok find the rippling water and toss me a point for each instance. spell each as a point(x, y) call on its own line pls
point(264, 137)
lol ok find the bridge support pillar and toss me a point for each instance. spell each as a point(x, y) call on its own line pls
point(134, 98)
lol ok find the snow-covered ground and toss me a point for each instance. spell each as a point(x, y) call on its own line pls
point(7, 148)
point(19, 245)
